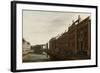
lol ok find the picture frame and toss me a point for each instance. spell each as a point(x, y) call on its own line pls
point(24, 13)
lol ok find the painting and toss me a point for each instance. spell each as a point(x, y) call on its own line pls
point(65, 36)
point(47, 36)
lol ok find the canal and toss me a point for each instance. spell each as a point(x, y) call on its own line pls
point(32, 57)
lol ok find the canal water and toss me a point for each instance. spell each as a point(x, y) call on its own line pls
point(32, 57)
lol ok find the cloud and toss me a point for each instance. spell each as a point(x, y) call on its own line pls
point(40, 26)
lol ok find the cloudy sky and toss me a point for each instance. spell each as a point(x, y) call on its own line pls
point(40, 26)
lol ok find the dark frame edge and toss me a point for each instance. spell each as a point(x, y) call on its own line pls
point(57, 68)
point(54, 4)
point(96, 36)
point(13, 36)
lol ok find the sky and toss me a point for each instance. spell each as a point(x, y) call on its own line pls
point(40, 26)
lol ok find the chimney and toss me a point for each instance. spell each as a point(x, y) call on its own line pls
point(79, 18)
point(73, 22)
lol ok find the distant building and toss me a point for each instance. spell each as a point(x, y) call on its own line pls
point(38, 49)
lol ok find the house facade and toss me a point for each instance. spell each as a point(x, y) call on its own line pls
point(76, 41)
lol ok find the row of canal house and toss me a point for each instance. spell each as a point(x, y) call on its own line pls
point(73, 44)
point(26, 47)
